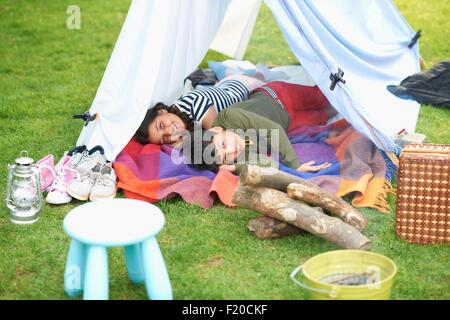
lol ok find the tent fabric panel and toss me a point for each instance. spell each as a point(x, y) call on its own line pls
point(237, 26)
point(160, 43)
point(368, 40)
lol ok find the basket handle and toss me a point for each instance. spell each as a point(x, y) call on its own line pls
point(332, 293)
point(426, 150)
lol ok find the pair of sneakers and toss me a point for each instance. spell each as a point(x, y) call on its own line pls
point(95, 178)
point(55, 179)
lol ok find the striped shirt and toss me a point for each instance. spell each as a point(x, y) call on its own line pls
point(197, 102)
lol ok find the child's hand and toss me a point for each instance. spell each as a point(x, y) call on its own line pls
point(228, 167)
point(310, 167)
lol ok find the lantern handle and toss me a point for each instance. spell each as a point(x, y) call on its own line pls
point(24, 153)
point(9, 203)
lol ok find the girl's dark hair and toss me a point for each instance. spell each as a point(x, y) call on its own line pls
point(142, 132)
point(194, 143)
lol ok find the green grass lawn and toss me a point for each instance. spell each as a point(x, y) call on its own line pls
point(48, 73)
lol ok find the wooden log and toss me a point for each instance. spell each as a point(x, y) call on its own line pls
point(329, 202)
point(278, 205)
point(269, 228)
point(303, 190)
point(265, 227)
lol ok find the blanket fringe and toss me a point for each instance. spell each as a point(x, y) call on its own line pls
point(391, 168)
point(381, 202)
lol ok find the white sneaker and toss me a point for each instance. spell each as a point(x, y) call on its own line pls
point(90, 160)
point(57, 193)
point(105, 184)
point(78, 157)
point(80, 188)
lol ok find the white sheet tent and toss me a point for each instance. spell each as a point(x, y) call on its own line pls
point(163, 41)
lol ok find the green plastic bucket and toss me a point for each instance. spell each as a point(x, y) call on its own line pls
point(347, 275)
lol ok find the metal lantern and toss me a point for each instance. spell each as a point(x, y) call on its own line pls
point(23, 190)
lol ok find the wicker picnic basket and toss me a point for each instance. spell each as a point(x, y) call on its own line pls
point(423, 195)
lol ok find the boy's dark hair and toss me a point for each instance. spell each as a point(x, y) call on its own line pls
point(194, 143)
point(142, 132)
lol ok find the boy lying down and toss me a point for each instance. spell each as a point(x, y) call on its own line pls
point(245, 132)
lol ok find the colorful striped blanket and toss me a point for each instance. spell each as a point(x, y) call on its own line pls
point(359, 169)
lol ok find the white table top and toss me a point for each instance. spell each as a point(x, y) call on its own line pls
point(114, 222)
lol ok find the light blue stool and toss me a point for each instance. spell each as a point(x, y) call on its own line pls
point(94, 227)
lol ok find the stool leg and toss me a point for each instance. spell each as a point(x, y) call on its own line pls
point(156, 277)
point(133, 258)
point(96, 279)
point(75, 269)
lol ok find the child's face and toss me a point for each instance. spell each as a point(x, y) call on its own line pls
point(228, 145)
point(165, 128)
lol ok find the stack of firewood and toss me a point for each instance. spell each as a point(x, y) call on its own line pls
point(292, 205)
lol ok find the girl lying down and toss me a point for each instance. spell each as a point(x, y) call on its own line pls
point(197, 107)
